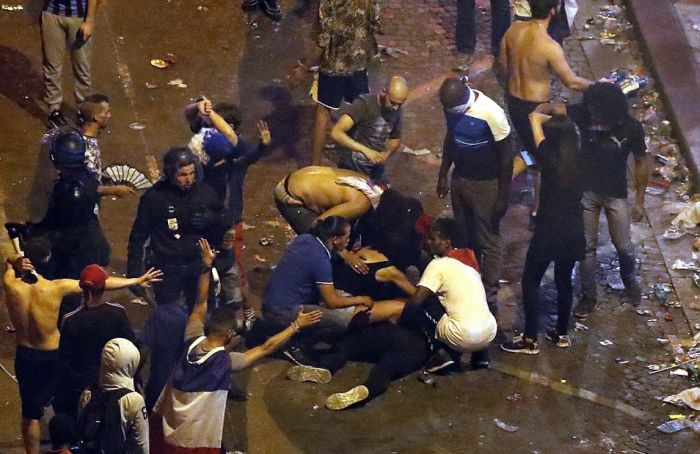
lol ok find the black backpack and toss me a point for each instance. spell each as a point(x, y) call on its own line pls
point(100, 425)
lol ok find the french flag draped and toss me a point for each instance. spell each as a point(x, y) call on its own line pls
point(193, 404)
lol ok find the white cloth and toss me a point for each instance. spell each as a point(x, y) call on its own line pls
point(468, 325)
point(485, 108)
point(120, 358)
point(521, 8)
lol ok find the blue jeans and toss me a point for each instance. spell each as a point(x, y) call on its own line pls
point(617, 212)
point(465, 34)
point(331, 328)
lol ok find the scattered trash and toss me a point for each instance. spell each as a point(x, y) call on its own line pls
point(696, 279)
point(690, 397)
point(411, 151)
point(654, 367)
point(674, 233)
point(605, 342)
point(6, 7)
point(139, 301)
point(178, 83)
point(679, 372)
point(266, 241)
point(260, 259)
point(160, 64)
point(514, 397)
point(677, 425)
point(202, 9)
point(661, 292)
point(316, 407)
point(150, 85)
point(391, 51)
point(505, 426)
point(622, 361)
point(248, 226)
point(643, 311)
point(580, 327)
point(137, 126)
point(170, 59)
point(668, 317)
point(676, 416)
point(10, 329)
point(690, 217)
point(683, 265)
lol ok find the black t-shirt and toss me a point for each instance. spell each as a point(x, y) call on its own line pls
point(84, 332)
point(557, 198)
point(606, 152)
point(373, 126)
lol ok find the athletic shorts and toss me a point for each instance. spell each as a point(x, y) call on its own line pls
point(332, 90)
point(37, 373)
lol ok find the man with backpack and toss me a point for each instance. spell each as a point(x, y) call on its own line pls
point(112, 417)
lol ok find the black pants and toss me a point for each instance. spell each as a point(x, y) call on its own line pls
point(177, 279)
point(396, 352)
point(532, 277)
point(519, 111)
point(465, 34)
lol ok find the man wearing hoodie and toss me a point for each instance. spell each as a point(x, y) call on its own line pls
point(120, 359)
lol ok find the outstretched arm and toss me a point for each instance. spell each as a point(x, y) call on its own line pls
point(561, 68)
point(272, 344)
point(199, 312)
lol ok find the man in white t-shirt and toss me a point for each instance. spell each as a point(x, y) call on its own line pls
point(459, 317)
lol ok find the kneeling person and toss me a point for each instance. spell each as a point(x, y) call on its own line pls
point(462, 321)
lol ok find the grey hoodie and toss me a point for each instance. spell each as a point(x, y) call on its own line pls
point(120, 358)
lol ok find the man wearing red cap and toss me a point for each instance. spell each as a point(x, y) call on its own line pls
point(33, 310)
point(84, 332)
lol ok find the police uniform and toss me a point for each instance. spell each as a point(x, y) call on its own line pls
point(165, 217)
point(72, 225)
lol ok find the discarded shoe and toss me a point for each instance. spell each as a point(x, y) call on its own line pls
point(560, 341)
point(309, 373)
point(340, 401)
point(519, 345)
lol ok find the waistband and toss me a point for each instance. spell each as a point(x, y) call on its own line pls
point(282, 193)
point(516, 100)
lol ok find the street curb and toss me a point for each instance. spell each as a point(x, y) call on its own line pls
point(671, 58)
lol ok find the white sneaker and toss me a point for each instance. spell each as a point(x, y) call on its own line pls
point(308, 373)
point(340, 401)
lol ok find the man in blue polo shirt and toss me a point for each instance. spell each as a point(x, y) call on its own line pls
point(478, 144)
point(304, 277)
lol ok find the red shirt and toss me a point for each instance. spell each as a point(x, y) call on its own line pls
point(466, 256)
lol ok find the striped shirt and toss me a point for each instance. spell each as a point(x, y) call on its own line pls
point(68, 8)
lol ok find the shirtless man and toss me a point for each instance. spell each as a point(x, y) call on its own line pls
point(529, 56)
point(33, 310)
point(312, 193)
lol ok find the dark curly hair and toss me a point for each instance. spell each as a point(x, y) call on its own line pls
point(606, 103)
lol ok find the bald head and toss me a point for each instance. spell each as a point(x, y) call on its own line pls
point(395, 92)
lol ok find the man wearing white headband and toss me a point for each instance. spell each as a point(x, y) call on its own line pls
point(478, 144)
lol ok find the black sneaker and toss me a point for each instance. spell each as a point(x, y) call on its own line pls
point(249, 5)
point(295, 355)
point(584, 307)
point(480, 359)
point(519, 345)
point(56, 120)
point(440, 360)
point(272, 10)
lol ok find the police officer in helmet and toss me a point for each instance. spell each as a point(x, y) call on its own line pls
point(71, 222)
point(172, 216)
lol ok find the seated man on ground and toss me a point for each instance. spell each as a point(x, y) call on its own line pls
point(304, 277)
point(450, 303)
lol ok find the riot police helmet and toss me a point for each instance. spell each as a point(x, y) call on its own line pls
point(175, 159)
point(68, 149)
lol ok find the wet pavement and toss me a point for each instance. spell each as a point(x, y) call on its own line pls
point(595, 397)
